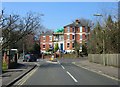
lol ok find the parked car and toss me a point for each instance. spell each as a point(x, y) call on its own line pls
point(29, 58)
point(65, 52)
point(53, 59)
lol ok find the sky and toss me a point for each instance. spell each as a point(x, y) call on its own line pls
point(59, 14)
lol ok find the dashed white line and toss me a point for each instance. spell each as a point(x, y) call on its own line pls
point(58, 62)
point(71, 76)
point(62, 66)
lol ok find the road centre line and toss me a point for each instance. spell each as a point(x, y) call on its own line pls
point(58, 62)
point(71, 76)
point(62, 66)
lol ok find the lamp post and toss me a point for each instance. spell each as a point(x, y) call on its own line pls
point(40, 40)
point(103, 31)
point(9, 44)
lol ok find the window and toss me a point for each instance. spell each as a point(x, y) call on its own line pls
point(68, 29)
point(73, 36)
point(43, 37)
point(73, 29)
point(68, 45)
point(73, 45)
point(80, 36)
point(81, 46)
point(61, 38)
point(43, 46)
point(80, 29)
point(68, 36)
point(50, 46)
point(50, 38)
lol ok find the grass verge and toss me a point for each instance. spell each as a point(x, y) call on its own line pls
point(4, 66)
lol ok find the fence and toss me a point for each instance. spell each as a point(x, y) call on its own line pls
point(105, 59)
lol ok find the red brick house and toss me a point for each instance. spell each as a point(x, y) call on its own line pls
point(46, 41)
point(72, 32)
point(75, 32)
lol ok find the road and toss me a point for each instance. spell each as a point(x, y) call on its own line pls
point(63, 72)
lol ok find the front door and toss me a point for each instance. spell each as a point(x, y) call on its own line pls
point(61, 46)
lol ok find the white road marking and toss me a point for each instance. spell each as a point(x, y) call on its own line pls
point(24, 79)
point(58, 62)
point(52, 62)
point(71, 76)
point(62, 66)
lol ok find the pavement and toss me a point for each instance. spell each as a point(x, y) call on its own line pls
point(108, 71)
point(10, 76)
point(64, 72)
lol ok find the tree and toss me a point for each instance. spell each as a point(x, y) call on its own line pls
point(86, 22)
point(95, 44)
point(15, 27)
point(77, 47)
point(56, 47)
point(105, 39)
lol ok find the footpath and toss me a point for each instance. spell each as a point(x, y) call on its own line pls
point(108, 71)
point(10, 76)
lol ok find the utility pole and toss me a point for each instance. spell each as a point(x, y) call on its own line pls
point(9, 44)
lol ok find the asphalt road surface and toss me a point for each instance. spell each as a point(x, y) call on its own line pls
point(63, 72)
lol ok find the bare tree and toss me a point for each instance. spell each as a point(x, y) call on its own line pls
point(15, 27)
point(86, 22)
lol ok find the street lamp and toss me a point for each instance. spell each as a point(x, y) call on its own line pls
point(103, 31)
point(39, 39)
point(98, 15)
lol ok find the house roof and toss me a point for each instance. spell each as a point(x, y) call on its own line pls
point(59, 30)
point(74, 25)
point(46, 33)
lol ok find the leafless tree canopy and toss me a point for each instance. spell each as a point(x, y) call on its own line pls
point(15, 27)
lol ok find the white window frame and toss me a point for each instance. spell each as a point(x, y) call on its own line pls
point(73, 29)
point(68, 36)
point(74, 37)
point(44, 38)
point(80, 29)
point(50, 38)
point(61, 38)
point(67, 45)
point(43, 47)
point(50, 45)
point(80, 37)
point(68, 29)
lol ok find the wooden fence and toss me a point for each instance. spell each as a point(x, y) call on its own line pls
point(105, 59)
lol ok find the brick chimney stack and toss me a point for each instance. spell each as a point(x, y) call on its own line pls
point(77, 21)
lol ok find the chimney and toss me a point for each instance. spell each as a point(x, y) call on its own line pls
point(77, 21)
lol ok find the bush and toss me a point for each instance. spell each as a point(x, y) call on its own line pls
point(4, 66)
